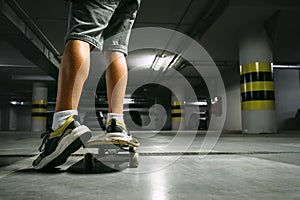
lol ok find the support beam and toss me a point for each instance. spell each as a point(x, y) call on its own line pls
point(213, 10)
point(19, 30)
point(209, 15)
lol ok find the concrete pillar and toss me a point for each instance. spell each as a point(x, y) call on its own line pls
point(177, 108)
point(39, 107)
point(177, 114)
point(257, 86)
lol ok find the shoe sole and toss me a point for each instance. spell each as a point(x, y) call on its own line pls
point(118, 138)
point(68, 145)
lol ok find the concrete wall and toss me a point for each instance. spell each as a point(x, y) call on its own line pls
point(17, 118)
point(287, 97)
point(23, 118)
point(231, 78)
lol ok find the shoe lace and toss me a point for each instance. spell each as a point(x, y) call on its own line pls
point(45, 136)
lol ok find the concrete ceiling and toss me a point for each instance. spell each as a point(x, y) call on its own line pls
point(215, 24)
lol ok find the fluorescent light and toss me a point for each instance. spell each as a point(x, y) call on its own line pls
point(14, 103)
point(141, 61)
point(161, 62)
point(199, 103)
point(286, 66)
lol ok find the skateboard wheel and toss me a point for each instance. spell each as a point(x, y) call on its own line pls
point(133, 159)
point(88, 160)
point(132, 149)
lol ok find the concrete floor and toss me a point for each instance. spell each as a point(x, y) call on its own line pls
point(238, 167)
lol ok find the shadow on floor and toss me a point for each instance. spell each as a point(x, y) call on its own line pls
point(79, 168)
point(34, 171)
point(98, 168)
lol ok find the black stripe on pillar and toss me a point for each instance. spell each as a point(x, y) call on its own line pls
point(35, 114)
point(257, 95)
point(175, 107)
point(256, 76)
point(39, 106)
point(176, 114)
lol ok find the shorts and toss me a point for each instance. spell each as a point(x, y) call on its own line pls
point(105, 24)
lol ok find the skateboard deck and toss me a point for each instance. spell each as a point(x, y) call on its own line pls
point(114, 152)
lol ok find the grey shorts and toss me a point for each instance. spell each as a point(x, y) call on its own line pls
point(105, 24)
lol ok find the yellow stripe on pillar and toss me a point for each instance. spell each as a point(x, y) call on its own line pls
point(257, 86)
point(41, 101)
point(176, 103)
point(258, 105)
point(39, 118)
point(256, 67)
point(176, 111)
point(38, 110)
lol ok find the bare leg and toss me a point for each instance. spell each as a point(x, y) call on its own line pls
point(116, 81)
point(73, 72)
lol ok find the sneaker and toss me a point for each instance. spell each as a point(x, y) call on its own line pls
point(116, 130)
point(58, 145)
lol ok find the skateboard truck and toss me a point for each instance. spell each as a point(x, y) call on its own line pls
point(112, 153)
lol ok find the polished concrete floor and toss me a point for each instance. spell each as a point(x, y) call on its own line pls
point(172, 166)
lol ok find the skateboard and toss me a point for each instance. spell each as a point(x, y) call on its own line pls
point(112, 153)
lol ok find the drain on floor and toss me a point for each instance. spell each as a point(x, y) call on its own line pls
point(212, 153)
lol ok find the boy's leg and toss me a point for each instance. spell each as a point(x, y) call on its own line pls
point(67, 135)
point(116, 81)
point(116, 38)
point(74, 71)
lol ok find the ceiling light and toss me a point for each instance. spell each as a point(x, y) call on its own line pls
point(161, 62)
